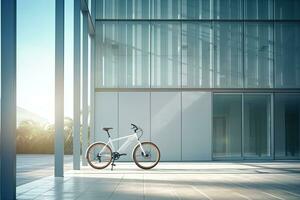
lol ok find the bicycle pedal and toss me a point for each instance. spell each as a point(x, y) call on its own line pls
point(113, 164)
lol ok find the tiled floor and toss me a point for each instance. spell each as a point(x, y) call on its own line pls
point(207, 180)
point(31, 167)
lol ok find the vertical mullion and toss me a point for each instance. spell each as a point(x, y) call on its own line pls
point(272, 138)
point(243, 127)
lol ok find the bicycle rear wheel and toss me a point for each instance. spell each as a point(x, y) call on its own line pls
point(149, 159)
point(99, 155)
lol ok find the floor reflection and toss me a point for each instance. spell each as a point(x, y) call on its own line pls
point(207, 180)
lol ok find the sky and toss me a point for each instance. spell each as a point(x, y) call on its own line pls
point(35, 57)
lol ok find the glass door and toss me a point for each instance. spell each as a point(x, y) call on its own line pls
point(227, 126)
point(257, 126)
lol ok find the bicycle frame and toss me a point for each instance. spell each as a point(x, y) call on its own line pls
point(124, 146)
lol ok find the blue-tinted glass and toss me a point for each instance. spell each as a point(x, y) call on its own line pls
point(134, 9)
point(287, 9)
point(99, 9)
point(259, 9)
point(134, 54)
point(227, 125)
point(287, 55)
point(165, 51)
point(197, 50)
point(196, 9)
point(123, 9)
point(107, 55)
point(141, 9)
point(258, 59)
point(287, 125)
point(228, 55)
point(228, 9)
point(106, 9)
point(257, 125)
point(165, 9)
point(123, 55)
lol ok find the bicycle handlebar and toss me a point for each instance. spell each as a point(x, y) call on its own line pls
point(134, 127)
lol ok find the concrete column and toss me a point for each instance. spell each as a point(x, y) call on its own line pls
point(59, 89)
point(77, 54)
point(92, 82)
point(92, 90)
point(8, 101)
point(85, 110)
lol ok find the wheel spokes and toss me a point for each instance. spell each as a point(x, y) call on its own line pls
point(97, 159)
point(147, 157)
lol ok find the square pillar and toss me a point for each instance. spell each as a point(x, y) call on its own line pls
point(92, 78)
point(85, 111)
point(8, 100)
point(92, 91)
point(59, 89)
point(77, 80)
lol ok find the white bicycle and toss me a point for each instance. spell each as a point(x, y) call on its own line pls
point(146, 155)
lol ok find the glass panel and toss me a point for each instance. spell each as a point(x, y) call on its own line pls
point(107, 9)
point(197, 55)
point(259, 9)
point(165, 51)
point(142, 9)
point(134, 54)
point(99, 9)
point(287, 9)
point(123, 57)
point(287, 125)
point(257, 125)
point(259, 59)
point(227, 125)
point(123, 9)
point(228, 55)
point(165, 9)
point(228, 9)
point(196, 9)
point(107, 55)
point(134, 9)
point(287, 55)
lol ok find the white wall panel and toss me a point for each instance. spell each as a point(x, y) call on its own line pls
point(196, 126)
point(106, 114)
point(166, 124)
point(134, 107)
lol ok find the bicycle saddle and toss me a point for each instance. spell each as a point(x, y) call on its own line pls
point(106, 129)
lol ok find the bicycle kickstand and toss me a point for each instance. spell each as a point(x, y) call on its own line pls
point(113, 164)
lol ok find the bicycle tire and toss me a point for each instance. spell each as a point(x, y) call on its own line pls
point(137, 147)
point(89, 159)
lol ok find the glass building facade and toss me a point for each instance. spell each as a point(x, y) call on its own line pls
point(245, 53)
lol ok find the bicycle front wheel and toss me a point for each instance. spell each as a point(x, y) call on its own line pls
point(99, 155)
point(148, 158)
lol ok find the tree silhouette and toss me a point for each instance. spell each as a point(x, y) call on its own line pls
point(35, 138)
